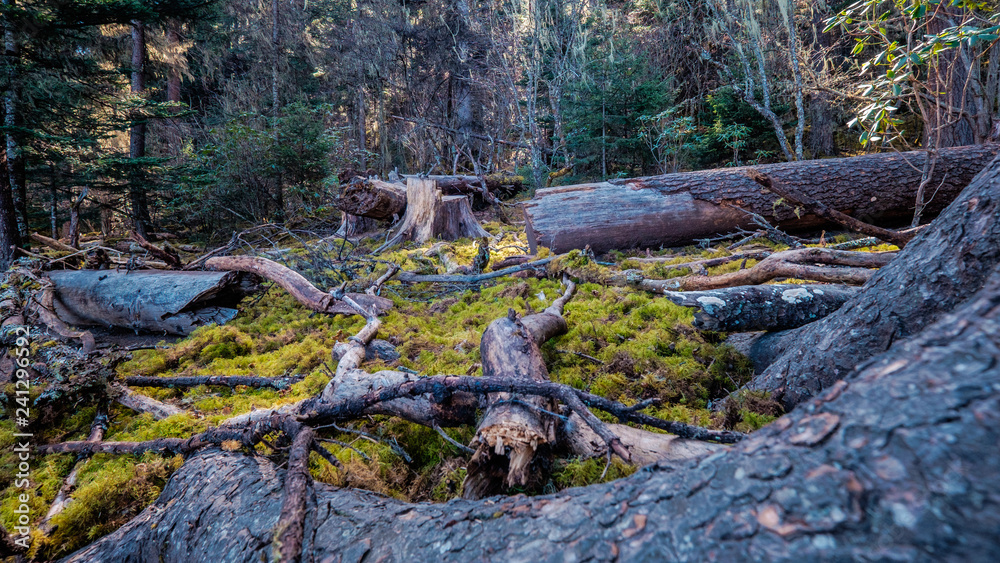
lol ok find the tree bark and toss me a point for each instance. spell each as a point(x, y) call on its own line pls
point(429, 214)
point(892, 463)
point(172, 302)
point(762, 307)
point(943, 265)
point(14, 157)
point(137, 133)
point(10, 237)
point(676, 209)
point(373, 198)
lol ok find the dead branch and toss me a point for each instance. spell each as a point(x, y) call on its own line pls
point(817, 207)
point(707, 263)
point(291, 523)
point(143, 404)
point(63, 498)
point(411, 277)
point(51, 243)
point(300, 288)
point(169, 257)
point(812, 264)
point(218, 380)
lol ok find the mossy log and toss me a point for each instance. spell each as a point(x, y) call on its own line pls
point(676, 209)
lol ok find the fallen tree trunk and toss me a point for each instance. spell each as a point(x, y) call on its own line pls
point(373, 198)
point(762, 307)
point(939, 268)
point(894, 462)
point(676, 209)
point(151, 300)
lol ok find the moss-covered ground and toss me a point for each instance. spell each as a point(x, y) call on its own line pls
point(622, 343)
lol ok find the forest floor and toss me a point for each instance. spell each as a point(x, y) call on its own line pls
point(623, 343)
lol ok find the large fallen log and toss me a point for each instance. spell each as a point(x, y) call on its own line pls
point(762, 307)
point(676, 209)
point(895, 463)
point(150, 300)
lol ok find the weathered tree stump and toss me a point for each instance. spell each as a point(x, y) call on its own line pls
point(430, 214)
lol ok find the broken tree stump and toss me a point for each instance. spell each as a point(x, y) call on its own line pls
point(373, 198)
point(430, 214)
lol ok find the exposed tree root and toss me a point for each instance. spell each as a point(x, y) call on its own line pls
point(143, 404)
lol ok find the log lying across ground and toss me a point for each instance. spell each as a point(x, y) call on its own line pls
point(676, 209)
point(762, 307)
point(151, 300)
point(897, 462)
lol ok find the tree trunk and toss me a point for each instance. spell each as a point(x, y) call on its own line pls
point(355, 225)
point(15, 168)
point(676, 209)
point(944, 264)
point(175, 54)
point(892, 463)
point(10, 237)
point(137, 133)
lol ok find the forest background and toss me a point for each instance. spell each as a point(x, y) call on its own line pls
point(199, 116)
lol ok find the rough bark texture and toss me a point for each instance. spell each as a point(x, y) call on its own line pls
point(373, 198)
point(897, 462)
point(675, 209)
point(940, 268)
point(762, 307)
point(429, 214)
point(171, 302)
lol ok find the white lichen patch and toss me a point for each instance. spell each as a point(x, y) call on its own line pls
point(796, 295)
point(709, 301)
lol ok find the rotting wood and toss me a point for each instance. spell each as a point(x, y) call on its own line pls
point(298, 286)
point(152, 300)
point(762, 307)
point(46, 311)
point(820, 209)
point(51, 243)
point(430, 214)
point(677, 209)
point(373, 198)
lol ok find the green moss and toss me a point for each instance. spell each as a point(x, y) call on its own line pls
point(580, 473)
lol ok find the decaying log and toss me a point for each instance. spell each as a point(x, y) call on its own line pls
point(894, 463)
point(938, 269)
point(430, 214)
point(143, 404)
point(698, 265)
point(676, 209)
point(218, 380)
point(516, 434)
point(298, 286)
point(762, 307)
point(373, 198)
point(820, 209)
point(151, 300)
point(48, 315)
point(354, 225)
point(51, 243)
point(814, 264)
